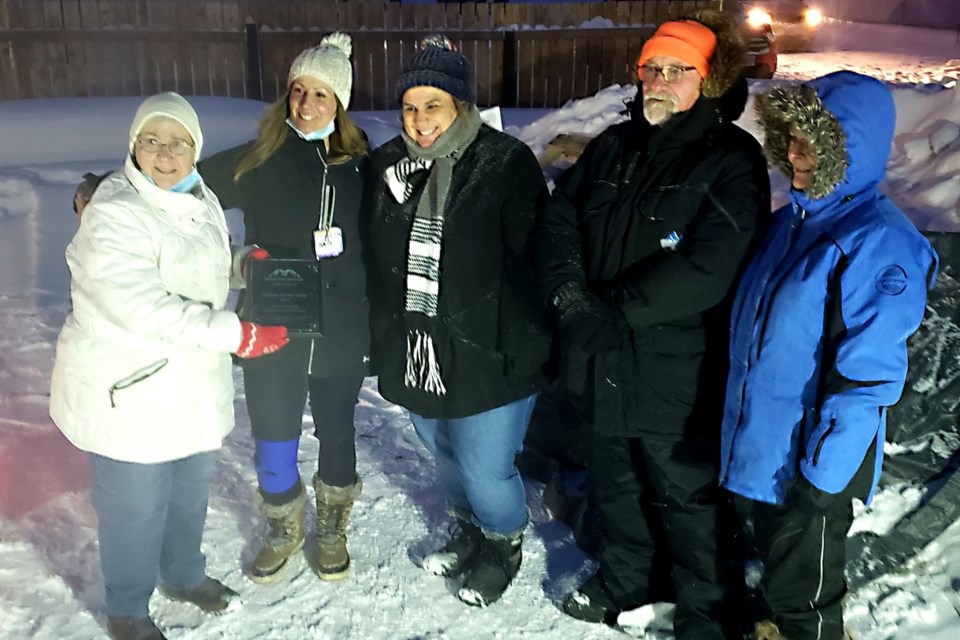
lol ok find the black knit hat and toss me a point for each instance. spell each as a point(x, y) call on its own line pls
point(438, 64)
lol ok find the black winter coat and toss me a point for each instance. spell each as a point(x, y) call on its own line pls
point(612, 224)
point(280, 200)
point(491, 332)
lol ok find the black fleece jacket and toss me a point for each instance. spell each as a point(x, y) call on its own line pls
point(280, 200)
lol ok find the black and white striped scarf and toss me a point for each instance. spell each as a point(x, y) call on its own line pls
point(425, 244)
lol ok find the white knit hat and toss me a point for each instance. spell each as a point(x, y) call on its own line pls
point(170, 105)
point(329, 61)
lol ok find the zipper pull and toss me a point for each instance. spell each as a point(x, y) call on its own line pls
point(798, 215)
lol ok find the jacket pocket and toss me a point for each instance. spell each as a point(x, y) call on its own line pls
point(136, 377)
point(671, 207)
point(600, 197)
point(821, 441)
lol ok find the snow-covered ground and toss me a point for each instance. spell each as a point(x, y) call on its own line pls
point(893, 53)
point(50, 583)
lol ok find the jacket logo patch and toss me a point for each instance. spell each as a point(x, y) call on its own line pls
point(670, 241)
point(891, 280)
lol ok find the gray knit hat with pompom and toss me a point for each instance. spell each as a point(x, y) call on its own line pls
point(329, 62)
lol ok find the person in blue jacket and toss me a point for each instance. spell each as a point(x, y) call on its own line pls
point(819, 326)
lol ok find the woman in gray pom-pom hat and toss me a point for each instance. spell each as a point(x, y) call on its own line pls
point(459, 335)
point(299, 186)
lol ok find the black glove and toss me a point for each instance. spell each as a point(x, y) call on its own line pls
point(586, 321)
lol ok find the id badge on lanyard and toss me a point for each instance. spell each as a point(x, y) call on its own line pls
point(327, 238)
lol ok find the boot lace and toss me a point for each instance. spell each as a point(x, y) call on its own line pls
point(283, 531)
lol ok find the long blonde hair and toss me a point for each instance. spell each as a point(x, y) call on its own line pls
point(347, 140)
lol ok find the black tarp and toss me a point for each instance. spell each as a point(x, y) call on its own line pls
point(923, 436)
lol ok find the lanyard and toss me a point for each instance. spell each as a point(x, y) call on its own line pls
point(328, 200)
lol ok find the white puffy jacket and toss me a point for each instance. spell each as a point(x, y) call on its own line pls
point(143, 371)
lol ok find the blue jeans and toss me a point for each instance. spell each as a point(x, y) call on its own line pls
point(475, 463)
point(151, 519)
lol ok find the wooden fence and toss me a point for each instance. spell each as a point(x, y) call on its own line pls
point(524, 55)
point(511, 69)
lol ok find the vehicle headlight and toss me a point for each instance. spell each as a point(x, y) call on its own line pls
point(756, 17)
point(813, 17)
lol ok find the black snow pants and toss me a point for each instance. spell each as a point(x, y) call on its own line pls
point(277, 387)
point(802, 544)
point(660, 506)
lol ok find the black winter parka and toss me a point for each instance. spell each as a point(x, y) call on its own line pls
point(492, 335)
point(657, 220)
point(280, 200)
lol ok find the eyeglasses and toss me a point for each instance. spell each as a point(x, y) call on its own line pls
point(670, 73)
point(177, 146)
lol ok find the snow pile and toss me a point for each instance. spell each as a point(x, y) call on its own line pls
point(588, 116)
point(924, 170)
point(96, 128)
point(17, 197)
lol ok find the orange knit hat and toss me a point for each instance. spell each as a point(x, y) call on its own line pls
point(687, 40)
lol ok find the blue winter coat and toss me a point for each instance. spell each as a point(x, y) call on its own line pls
point(822, 314)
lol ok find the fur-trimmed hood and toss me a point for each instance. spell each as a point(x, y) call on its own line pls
point(726, 64)
point(848, 117)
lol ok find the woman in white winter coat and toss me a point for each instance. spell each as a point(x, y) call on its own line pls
point(142, 379)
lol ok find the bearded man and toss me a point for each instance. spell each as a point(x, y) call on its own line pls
point(638, 249)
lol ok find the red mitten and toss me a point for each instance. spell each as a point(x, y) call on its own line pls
point(260, 339)
point(257, 254)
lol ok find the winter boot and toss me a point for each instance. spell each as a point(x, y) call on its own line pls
point(128, 628)
point(333, 512)
point(591, 603)
point(767, 630)
point(211, 595)
point(284, 538)
point(455, 556)
point(496, 564)
point(581, 606)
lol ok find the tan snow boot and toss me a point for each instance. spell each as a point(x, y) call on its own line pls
point(284, 538)
point(767, 630)
point(333, 512)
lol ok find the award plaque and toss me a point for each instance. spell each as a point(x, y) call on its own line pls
point(287, 292)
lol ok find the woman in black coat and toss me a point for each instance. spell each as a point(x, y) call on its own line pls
point(299, 186)
point(459, 336)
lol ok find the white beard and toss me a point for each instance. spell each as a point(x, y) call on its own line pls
point(658, 107)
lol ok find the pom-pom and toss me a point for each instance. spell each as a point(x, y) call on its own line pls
point(339, 40)
point(437, 40)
